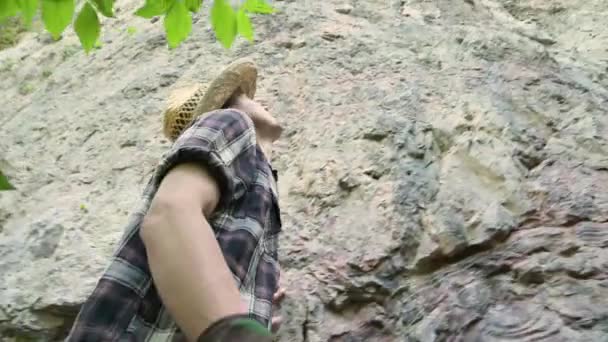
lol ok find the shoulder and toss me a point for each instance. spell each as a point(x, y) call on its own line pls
point(231, 124)
point(223, 142)
point(225, 132)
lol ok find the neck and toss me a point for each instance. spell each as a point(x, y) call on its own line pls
point(266, 146)
point(267, 128)
point(267, 132)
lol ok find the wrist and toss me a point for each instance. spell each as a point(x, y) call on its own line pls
point(233, 328)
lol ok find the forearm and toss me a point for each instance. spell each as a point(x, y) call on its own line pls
point(189, 269)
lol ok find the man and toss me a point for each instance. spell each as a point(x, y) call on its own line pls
point(198, 262)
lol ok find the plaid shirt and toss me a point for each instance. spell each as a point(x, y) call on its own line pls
point(125, 305)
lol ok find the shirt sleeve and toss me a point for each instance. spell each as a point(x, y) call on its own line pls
point(224, 143)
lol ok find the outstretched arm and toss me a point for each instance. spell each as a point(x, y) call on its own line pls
point(187, 265)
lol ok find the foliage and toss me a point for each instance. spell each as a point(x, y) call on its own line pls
point(227, 21)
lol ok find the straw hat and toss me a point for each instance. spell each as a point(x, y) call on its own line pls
point(187, 103)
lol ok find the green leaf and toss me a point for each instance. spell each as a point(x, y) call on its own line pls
point(8, 8)
point(194, 5)
point(57, 15)
point(4, 183)
point(28, 9)
point(105, 7)
point(223, 20)
point(153, 8)
point(258, 6)
point(178, 24)
point(87, 27)
point(244, 25)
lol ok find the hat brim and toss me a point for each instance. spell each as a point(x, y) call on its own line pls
point(238, 77)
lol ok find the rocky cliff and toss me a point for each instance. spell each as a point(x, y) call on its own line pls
point(444, 172)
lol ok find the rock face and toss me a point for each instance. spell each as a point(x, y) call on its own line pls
point(444, 172)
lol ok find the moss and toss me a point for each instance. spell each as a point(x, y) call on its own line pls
point(11, 30)
point(26, 88)
point(7, 66)
point(46, 73)
point(131, 30)
point(69, 51)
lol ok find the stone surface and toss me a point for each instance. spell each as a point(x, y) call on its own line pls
point(443, 169)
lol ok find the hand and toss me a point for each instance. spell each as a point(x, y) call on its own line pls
point(277, 299)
